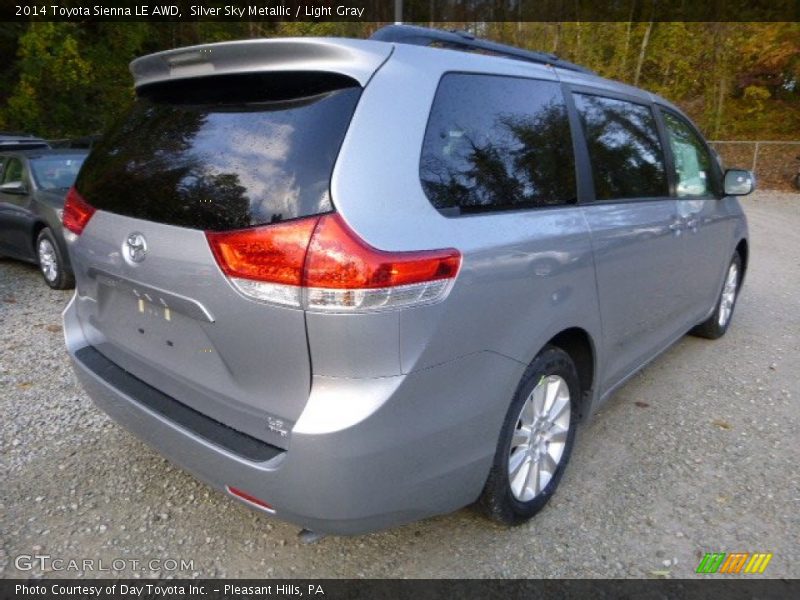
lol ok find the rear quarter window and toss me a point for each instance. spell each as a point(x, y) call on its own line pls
point(497, 143)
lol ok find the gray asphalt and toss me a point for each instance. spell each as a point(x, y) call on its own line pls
point(698, 453)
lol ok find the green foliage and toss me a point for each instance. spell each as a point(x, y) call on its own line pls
point(737, 80)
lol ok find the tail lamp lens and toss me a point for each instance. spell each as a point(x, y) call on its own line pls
point(320, 263)
point(265, 263)
point(343, 272)
point(77, 212)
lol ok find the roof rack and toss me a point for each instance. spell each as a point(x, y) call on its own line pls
point(462, 40)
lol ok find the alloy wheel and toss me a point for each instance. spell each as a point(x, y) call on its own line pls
point(48, 262)
point(728, 295)
point(539, 438)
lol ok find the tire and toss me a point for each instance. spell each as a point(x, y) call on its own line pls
point(717, 324)
point(51, 262)
point(514, 504)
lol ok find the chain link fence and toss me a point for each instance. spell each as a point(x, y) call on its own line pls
point(775, 164)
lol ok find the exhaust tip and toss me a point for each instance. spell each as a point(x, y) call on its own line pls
point(306, 536)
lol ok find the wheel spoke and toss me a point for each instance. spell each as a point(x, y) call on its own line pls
point(516, 461)
point(557, 435)
point(537, 400)
point(732, 274)
point(549, 464)
point(520, 477)
point(528, 414)
point(560, 406)
point(552, 390)
point(521, 437)
point(532, 481)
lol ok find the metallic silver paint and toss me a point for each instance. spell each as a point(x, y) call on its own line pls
point(355, 58)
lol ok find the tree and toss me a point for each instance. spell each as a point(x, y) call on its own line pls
point(736, 80)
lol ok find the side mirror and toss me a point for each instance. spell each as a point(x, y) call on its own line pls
point(739, 182)
point(14, 187)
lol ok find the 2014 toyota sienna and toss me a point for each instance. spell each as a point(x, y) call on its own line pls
point(355, 283)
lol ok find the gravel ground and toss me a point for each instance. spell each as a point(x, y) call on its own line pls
point(697, 453)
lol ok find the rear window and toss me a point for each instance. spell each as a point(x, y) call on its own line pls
point(224, 153)
point(56, 172)
point(497, 143)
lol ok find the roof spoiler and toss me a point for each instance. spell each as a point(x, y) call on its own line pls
point(357, 59)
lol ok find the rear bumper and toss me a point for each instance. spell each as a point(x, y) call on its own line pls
point(365, 454)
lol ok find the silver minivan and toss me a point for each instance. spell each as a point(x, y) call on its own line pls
point(355, 283)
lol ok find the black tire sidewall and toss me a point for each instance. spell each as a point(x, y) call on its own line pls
point(498, 497)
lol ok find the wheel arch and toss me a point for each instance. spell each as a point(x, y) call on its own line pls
point(743, 249)
point(578, 343)
point(35, 229)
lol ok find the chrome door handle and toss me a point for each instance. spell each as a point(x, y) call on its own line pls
point(675, 226)
point(692, 223)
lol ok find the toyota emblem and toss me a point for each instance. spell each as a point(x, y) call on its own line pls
point(135, 247)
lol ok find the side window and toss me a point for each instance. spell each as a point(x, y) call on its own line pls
point(497, 143)
point(693, 170)
point(626, 154)
point(13, 172)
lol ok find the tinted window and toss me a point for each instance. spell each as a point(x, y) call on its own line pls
point(627, 158)
point(205, 159)
point(693, 171)
point(56, 172)
point(13, 172)
point(496, 143)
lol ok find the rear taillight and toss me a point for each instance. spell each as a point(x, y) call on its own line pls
point(265, 263)
point(342, 272)
point(319, 263)
point(77, 212)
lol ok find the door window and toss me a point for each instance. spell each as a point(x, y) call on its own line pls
point(692, 162)
point(626, 154)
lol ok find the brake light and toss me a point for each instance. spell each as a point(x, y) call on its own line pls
point(77, 212)
point(320, 263)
